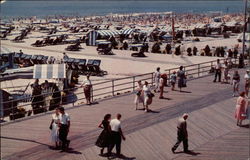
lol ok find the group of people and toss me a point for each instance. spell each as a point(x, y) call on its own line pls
point(144, 93)
point(241, 110)
point(111, 135)
point(59, 127)
point(45, 96)
point(223, 69)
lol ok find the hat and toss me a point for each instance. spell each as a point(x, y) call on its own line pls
point(184, 115)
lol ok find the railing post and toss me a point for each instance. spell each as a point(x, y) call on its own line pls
point(13, 116)
point(198, 70)
point(92, 94)
point(152, 78)
point(133, 83)
point(113, 88)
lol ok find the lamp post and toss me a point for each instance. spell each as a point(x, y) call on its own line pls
point(245, 27)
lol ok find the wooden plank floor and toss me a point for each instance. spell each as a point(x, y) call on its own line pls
point(149, 135)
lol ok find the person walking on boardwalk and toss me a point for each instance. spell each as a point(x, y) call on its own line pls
point(87, 89)
point(240, 109)
point(64, 126)
point(104, 138)
point(181, 78)
point(148, 96)
point(182, 134)
point(157, 76)
point(217, 71)
point(139, 98)
point(116, 135)
point(54, 127)
point(247, 82)
point(236, 82)
point(173, 78)
point(163, 80)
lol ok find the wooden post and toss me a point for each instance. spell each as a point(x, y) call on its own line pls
point(133, 83)
point(198, 70)
point(113, 88)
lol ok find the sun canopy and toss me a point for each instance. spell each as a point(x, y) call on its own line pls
point(49, 71)
point(127, 31)
point(108, 32)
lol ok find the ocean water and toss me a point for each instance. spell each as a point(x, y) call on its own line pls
point(11, 9)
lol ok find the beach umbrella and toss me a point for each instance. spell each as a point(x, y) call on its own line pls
point(127, 31)
point(49, 71)
point(92, 35)
point(108, 32)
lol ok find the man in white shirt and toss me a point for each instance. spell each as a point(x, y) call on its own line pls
point(217, 71)
point(157, 76)
point(116, 135)
point(64, 126)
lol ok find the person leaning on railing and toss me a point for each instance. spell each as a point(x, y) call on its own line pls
point(87, 87)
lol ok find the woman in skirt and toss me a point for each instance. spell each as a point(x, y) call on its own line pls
point(240, 109)
point(105, 136)
point(139, 98)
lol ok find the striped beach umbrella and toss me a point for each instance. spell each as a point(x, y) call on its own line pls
point(127, 31)
point(49, 71)
point(92, 38)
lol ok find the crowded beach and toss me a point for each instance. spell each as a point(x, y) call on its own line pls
point(112, 46)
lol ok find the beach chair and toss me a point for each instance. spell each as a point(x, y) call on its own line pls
point(40, 59)
point(17, 57)
point(69, 63)
point(34, 59)
point(90, 67)
point(82, 66)
point(97, 69)
point(75, 64)
point(27, 60)
point(45, 59)
point(5, 57)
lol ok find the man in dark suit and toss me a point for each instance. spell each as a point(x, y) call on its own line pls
point(182, 135)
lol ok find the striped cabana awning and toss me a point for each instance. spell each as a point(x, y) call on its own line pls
point(49, 71)
point(92, 38)
point(127, 31)
point(108, 32)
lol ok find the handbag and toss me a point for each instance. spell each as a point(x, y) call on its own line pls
point(50, 127)
point(150, 95)
point(138, 93)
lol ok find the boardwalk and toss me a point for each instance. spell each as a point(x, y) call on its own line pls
point(213, 134)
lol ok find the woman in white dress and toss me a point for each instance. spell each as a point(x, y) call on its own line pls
point(147, 96)
point(54, 128)
point(139, 98)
